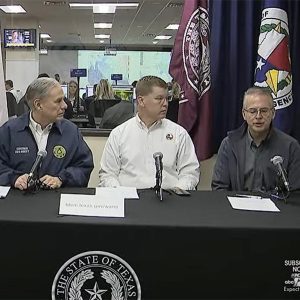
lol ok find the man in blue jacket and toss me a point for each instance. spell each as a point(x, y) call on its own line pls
point(69, 160)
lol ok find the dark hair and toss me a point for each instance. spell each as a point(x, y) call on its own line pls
point(42, 75)
point(9, 82)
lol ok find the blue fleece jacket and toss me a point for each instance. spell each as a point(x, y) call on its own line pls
point(68, 156)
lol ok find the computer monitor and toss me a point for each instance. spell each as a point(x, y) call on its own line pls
point(89, 90)
point(65, 89)
point(124, 94)
point(81, 92)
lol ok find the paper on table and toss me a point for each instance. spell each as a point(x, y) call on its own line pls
point(107, 204)
point(253, 203)
point(4, 191)
point(127, 192)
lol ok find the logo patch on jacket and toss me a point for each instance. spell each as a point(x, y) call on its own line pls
point(59, 151)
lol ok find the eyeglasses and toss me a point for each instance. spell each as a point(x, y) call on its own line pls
point(264, 111)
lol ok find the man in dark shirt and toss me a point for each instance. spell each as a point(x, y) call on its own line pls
point(244, 158)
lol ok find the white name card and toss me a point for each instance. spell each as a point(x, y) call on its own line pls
point(102, 205)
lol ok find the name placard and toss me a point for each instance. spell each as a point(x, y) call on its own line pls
point(101, 205)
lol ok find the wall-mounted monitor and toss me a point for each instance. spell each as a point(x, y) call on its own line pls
point(15, 38)
point(89, 90)
point(82, 91)
point(65, 89)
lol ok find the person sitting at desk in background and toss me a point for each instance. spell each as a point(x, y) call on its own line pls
point(91, 98)
point(104, 91)
point(69, 161)
point(243, 162)
point(73, 97)
point(127, 159)
point(117, 114)
point(104, 99)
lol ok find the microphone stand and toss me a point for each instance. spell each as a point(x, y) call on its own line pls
point(281, 189)
point(33, 184)
point(157, 188)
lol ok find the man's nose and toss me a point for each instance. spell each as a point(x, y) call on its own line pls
point(64, 105)
point(258, 114)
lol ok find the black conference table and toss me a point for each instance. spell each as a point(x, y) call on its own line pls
point(194, 247)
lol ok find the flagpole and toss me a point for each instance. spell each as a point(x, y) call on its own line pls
point(3, 101)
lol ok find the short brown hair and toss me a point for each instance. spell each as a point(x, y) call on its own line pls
point(145, 84)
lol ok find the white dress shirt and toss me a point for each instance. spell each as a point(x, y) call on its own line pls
point(40, 135)
point(128, 160)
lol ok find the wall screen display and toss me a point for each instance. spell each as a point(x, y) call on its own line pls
point(131, 64)
point(14, 38)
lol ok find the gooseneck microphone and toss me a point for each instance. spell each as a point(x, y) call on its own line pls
point(277, 162)
point(159, 167)
point(158, 161)
point(40, 155)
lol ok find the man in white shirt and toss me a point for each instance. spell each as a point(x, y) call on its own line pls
point(127, 159)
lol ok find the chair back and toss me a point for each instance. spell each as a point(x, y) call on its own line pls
point(98, 107)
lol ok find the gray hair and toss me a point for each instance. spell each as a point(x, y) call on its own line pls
point(39, 89)
point(256, 90)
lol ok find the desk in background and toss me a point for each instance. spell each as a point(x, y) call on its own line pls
point(196, 247)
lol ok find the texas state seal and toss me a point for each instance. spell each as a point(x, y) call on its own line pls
point(96, 275)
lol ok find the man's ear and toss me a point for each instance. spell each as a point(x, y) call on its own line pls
point(140, 100)
point(37, 104)
point(244, 114)
point(274, 113)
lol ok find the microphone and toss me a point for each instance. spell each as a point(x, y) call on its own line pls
point(158, 161)
point(40, 155)
point(159, 167)
point(277, 162)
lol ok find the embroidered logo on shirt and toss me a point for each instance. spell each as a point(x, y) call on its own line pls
point(169, 136)
point(22, 150)
point(59, 151)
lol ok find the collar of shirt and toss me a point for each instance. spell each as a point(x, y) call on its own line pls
point(37, 127)
point(143, 126)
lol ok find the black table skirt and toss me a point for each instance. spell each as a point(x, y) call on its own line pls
point(194, 247)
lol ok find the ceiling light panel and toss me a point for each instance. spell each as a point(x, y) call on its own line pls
point(102, 25)
point(162, 37)
point(104, 9)
point(102, 36)
point(45, 36)
point(13, 9)
point(173, 26)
